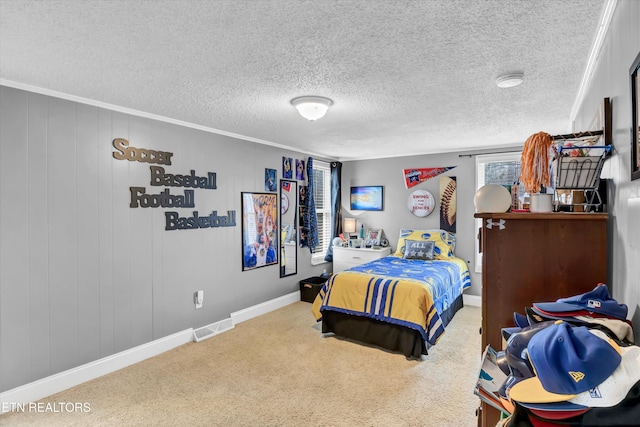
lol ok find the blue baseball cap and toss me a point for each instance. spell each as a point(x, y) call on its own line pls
point(567, 361)
point(516, 351)
point(607, 394)
point(596, 301)
point(507, 332)
point(516, 357)
point(501, 361)
point(520, 320)
point(567, 316)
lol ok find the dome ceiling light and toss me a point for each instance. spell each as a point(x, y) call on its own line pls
point(312, 107)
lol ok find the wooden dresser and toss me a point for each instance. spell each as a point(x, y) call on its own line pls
point(535, 257)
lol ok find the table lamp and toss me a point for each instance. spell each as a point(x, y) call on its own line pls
point(349, 226)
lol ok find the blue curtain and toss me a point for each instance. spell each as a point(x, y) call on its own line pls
point(336, 206)
point(309, 232)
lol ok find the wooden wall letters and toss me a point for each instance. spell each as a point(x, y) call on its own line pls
point(139, 198)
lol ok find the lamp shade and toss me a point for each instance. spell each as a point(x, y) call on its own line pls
point(349, 225)
point(312, 107)
point(492, 198)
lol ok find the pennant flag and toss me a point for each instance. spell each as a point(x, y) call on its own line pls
point(415, 176)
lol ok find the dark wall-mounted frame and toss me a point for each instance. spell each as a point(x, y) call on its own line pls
point(367, 198)
point(634, 73)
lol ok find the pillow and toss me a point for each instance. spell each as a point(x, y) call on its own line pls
point(419, 249)
point(444, 241)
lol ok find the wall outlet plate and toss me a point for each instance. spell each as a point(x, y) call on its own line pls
point(198, 298)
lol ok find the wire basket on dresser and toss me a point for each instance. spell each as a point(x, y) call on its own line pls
point(579, 173)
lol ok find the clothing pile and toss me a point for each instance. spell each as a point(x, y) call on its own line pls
point(571, 362)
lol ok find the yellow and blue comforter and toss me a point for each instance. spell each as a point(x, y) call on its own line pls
point(411, 293)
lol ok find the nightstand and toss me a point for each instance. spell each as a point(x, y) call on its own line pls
point(344, 258)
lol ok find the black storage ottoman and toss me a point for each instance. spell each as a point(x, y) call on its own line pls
point(310, 287)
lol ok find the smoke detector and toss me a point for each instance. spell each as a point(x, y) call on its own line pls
point(510, 80)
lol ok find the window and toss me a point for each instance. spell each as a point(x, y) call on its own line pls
point(503, 169)
point(322, 198)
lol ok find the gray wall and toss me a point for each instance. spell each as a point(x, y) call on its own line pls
point(396, 215)
point(611, 79)
point(83, 275)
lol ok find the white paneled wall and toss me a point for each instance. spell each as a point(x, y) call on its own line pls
point(611, 80)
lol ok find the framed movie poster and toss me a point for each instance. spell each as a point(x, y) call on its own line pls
point(287, 168)
point(300, 170)
point(270, 180)
point(259, 230)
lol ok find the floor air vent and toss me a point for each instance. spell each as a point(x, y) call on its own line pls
point(213, 329)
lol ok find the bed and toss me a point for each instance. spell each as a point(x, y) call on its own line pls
point(401, 302)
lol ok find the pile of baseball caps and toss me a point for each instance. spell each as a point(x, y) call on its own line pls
point(571, 362)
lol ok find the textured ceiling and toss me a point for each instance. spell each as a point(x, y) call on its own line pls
point(406, 77)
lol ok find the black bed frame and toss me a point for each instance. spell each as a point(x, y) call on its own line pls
point(391, 337)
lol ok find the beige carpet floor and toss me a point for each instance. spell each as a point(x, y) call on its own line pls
point(280, 370)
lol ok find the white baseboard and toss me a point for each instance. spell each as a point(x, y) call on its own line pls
point(472, 300)
point(265, 307)
point(70, 378)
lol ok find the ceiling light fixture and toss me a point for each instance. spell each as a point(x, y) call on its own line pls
point(312, 107)
point(510, 80)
